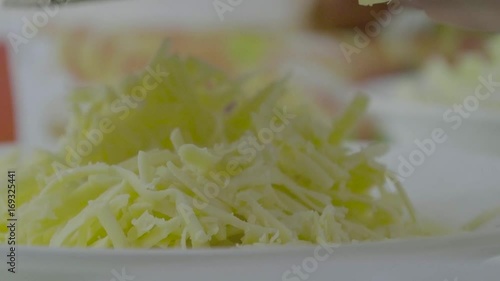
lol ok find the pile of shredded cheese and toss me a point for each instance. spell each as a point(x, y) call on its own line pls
point(202, 161)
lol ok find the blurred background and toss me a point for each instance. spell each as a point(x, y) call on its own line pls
point(414, 69)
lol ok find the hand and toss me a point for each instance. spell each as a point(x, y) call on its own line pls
point(473, 14)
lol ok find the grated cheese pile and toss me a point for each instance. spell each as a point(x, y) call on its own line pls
point(202, 161)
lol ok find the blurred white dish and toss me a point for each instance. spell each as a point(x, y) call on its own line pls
point(447, 187)
point(405, 121)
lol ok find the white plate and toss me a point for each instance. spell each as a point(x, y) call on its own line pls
point(460, 258)
point(452, 186)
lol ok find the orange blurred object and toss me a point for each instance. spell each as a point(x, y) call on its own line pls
point(328, 14)
point(7, 120)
